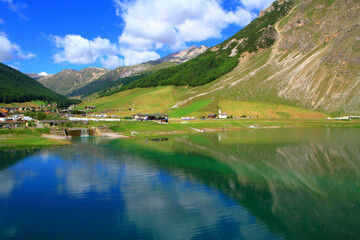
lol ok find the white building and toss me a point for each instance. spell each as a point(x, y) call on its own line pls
point(222, 115)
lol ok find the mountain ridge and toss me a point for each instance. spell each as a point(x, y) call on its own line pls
point(126, 74)
point(69, 80)
point(310, 60)
point(87, 81)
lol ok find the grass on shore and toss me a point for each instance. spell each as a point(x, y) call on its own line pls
point(32, 138)
point(26, 138)
point(135, 128)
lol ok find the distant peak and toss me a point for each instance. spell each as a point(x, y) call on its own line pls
point(68, 70)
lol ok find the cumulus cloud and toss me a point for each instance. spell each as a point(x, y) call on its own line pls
point(43, 74)
point(256, 4)
point(78, 50)
point(154, 24)
point(134, 57)
point(151, 25)
point(10, 51)
point(112, 61)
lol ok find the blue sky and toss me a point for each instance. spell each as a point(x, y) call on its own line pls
point(41, 36)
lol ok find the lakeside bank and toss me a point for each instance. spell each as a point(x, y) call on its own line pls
point(30, 138)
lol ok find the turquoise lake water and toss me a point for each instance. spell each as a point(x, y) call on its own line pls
point(294, 183)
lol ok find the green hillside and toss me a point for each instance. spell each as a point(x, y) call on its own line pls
point(18, 87)
point(164, 98)
point(309, 71)
point(215, 62)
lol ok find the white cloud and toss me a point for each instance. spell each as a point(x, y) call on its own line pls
point(150, 25)
point(1, 21)
point(112, 61)
point(154, 24)
point(256, 4)
point(134, 57)
point(78, 50)
point(43, 74)
point(6, 49)
point(10, 51)
point(22, 55)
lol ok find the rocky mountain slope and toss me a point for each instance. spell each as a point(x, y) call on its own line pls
point(313, 63)
point(90, 80)
point(299, 53)
point(260, 34)
point(69, 80)
point(121, 75)
point(182, 56)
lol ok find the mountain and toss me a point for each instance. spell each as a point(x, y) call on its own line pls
point(313, 63)
point(35, 76)
point(219, 60)
point(18, 87)
point(69, 80)
point(302, 54)
point(92, 80)
point(124, 75)
point(182, 56)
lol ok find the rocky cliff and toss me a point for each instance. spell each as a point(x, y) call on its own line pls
point(183, 56)
point(69, 80)
point(313, 62)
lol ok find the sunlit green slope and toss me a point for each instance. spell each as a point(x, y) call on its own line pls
point(312, 64)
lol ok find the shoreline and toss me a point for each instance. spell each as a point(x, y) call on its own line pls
point(143, 129)
point(13, 139)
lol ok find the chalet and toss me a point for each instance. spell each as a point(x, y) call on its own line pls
point(212, 116)
point(89, 107)
point(139, 117)
point(223, 115)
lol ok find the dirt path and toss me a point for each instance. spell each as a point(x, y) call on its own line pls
point(113, 135)
point(54, 137)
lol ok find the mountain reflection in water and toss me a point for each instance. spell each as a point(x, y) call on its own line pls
point(258, 184)
point(303, 183)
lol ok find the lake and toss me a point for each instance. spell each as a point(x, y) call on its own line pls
point(290, 183)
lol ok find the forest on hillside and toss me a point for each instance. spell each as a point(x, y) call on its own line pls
point(18, 87)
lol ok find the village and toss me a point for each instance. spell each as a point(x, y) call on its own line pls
point(50, 115)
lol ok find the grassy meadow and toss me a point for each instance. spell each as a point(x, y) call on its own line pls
point(26, 138)
point(162, 100)
point(23, 104)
